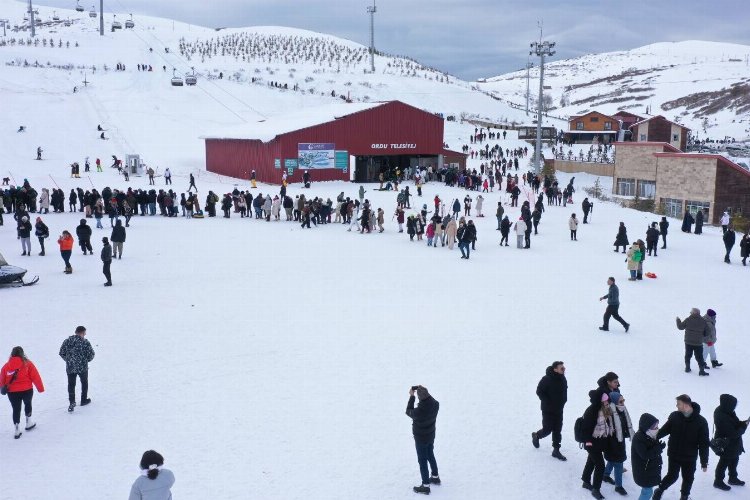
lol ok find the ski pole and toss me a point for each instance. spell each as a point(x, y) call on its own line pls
point(53, 180)
point(14, 179)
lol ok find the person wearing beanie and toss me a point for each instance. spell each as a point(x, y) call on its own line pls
point(688, 440)
point(423, 419)
point(155, 482)
point(731, 428)
point(645, 455)
point(709, 341)
point(696, 329)
point(616, 453)
point(598, 428)
point(106, 256)
point(552, 391)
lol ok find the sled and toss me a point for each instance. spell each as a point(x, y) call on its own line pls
point(651, 275)
point(198, 214)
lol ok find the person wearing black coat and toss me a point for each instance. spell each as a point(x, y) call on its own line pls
point(688, 439)
point(664, 229)
point(621, 240)
point(652, 239)
point(526, 216)
point(598, 426)
point(645, 455)
point(687, 222)
point(586, 206)
point(424, 417)
point(504, 230)
point(106, 257)
point(729, 426)
point(552, 391)
point(83, 231)
point(118, 238)
point(729, 239)
point(744, 248)
point(699, 222)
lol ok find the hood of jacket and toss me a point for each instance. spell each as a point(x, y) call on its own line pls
point(646, 422)
point(595, 396)
point(727, 402)
point(696, 408)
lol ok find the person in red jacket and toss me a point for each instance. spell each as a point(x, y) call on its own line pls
point(19, 374)
point(66, 249)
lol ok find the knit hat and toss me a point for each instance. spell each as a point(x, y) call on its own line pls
point(711, 313)
point(422, 393)
point(605, 397)
point(615, 396)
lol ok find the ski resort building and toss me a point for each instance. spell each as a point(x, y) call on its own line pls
point(593, 125)
point(659, 129)
point(338, 142)
point(680, 181)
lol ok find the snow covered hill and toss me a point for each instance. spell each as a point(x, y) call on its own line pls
point(704, 85)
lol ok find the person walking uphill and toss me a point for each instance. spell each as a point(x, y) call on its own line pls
point(598, 428)
point(423, 418)
point(77, 353)
point(155, 481)
point(106, 256)
point(17, 377)
point(731, 428)
point(552, 391)
point(645, 456)
point(613, 306)
point(695, 331)
point(688, 438)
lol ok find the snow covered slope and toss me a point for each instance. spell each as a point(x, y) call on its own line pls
point(704, 85)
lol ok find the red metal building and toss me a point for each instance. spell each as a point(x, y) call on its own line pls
point(351, 141)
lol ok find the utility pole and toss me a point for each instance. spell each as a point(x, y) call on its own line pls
point(541, 49)
point(31, 17)
point(529, 65)
point(101, 17)
point(372, 10)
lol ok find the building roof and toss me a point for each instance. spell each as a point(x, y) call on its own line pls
point(267, 130)
point(655, 117)
point(668, 148)
point(575, 117)
point(703, 156)
point(628, 114)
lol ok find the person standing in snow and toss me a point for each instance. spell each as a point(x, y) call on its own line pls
point(424, 417)
point(687, 222)
point(729, 239)
point(155, 481)
point(306, 178)
point(652, 239)
point(598, 428)
point(688, 439)
point(731, 428)
point(17, 377)
point(381, 220)
point(573, 226)
point(552, 391)
point(696, 330)
point(645, 455)
point(613, 306)
point(664, 229)
point(520, 232)
point(451, 229)
point(83, 231)
point(106, 256)
point(586, 207)
point(42, 232)
point(633, 258)
point(699, 222)
point(77, 353)
point(504, 230)
point(480, 202)
point(499, 214)
point(456, 208)
point(167, 176)
point(616, 454)
point(24, 234)
point(710, 339)
point(463, 239)
point(621, 240)
point(724, 221)
point(65, 241)
point(118, 239)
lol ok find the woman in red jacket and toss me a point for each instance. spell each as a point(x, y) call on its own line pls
point(66, 249)
point(18, 375)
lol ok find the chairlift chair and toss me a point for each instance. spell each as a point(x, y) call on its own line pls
point(55, 17)
point(116, 25)
point(191, 79)
point(92, 13)
point(176, 80)
point(129, 23)
point(78, 7)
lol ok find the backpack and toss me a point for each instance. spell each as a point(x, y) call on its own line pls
point(578, 431)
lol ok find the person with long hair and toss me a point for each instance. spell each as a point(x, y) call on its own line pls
point(18, 376)
point(66, 242)
point(155, 482)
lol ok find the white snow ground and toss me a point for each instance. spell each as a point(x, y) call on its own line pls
point(267, 362)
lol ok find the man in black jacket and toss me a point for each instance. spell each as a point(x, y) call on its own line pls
point(730, 427)
point(423, 427)
point(688, 436)
point(664, 229)
point(106, 256)
point(552, 391)
point(83, 231)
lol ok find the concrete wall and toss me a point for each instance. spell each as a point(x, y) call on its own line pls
point(635, 162)
point(687, 177)
point(571, 167)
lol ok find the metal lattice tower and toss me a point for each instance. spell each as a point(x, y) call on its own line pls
point(372, 10)
point(101, 17)
point(529, 65)
point(31, 19)
point(540, 49)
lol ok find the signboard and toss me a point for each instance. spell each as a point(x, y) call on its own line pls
point(277, 163)
point(290, 164)
point(342, 160)
point(290, 171)
point(316, 155)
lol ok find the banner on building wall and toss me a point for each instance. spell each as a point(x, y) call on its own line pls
point(316, 155)
point(277, 163)
point(291, 164)
point(342, 160)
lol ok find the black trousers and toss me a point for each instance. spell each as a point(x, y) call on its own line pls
point(612, 311)
point(16, 398)
point(551, 424)
point(687, 468)
point(585, 217)
point(85, 245)
point(727, 463)
point(697, 352)
point(105, 270)
point(664, 240)
point(595, 465)
point(72, 386)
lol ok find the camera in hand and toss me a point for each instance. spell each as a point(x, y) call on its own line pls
point(414, 387)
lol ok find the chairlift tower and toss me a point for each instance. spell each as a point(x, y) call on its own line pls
point(529, 65)
point(5, 24)
point(541, 49)
point(101, 17)
point(31, 17)
point(371, 10)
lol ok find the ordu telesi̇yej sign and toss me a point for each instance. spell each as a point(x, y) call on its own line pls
point(316, 155)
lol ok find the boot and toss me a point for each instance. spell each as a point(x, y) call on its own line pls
point(24, 253)
point(435, 479)
point(422, 489)
point(715, 363)
point(41, 253)
point(735, 481)
point(703, 373)
point(687, 369)
point(534, 440)
point(30, 424)
point(587, 486)
point(597, 494)
point(71, 406)
point(608, 479)
point(721, 485)
point(621, 491)
point(18, 432)
point(556, 453)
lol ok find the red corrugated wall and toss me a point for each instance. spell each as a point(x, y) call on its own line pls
point(393, 123)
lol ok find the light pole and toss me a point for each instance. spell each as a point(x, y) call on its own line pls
point(540, 49)
point(372, 10)
point(33, 22)
point(101, 17)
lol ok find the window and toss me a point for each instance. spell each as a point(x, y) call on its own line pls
point(675, 137)
point(594, 119)
point(607, 125)
point(579, 125)
point(646, 189)
point(694, 206)
point(642, 138)
point(626, 187)
point(672, 207)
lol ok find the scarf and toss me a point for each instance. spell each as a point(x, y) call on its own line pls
point(621, 410)
point(604, 426)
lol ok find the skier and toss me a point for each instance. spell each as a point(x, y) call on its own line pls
point(106, 257)
point(17, 377)
point(645, 455)
point(710, 340)
point(696, 330)
point(573, 226)
point(663, 229)
point(688, 439)
point(552, 391)
point(616, 454)
point(41, 231)
point(154, 482)
point(77, 353)
point(731, 428)
point(729, 239)
point(424, 417)
point(621, 240)
point(613, 306)
point(598, 427)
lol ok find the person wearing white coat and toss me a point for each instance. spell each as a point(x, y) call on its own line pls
point(573, 225)
point(480, 200)
point(520, 232)
point(724, 221)
point(44, 201)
